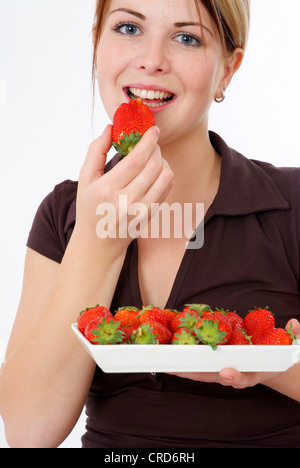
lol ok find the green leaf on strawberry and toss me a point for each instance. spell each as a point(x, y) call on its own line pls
point(109, 332)
point(127, 143)
point(210, 333)
point(185, 337)
point(143, 335)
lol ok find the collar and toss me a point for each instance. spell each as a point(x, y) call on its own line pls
point(245, 185)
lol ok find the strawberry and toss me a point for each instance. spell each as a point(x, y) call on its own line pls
point(129, 331)
point(176, 322)
point(258, 323)
point(184, 336)
point(92, 313)
point(213, 330)
point(109, 332)
point(188, 320)
point(151, 332)
point(154, 314)
point(89, 329)
point(234, 318)
point(198, 308)
point(170, 314)
point(278, 336)
point(127, 315)
point(239, 337)
point(130, 122)
point(189, 316)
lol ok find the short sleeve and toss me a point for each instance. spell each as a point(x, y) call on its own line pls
point(54, 222)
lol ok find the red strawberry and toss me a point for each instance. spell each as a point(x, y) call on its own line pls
point(107, 332)
point(88, 332)
point(127, 315)
point(170, 314)
point(189, 317)
point(213, 330)
point(278, 336)
point(258, 323)
point(198, 308)
point(92, 313)
point(239, 337)
point(153, 313)
point(233, 317)
point(131, 121)
point(184, 337)
point(151, 332)
point(129, 331)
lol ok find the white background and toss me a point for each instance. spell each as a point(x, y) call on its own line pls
point(47, 123)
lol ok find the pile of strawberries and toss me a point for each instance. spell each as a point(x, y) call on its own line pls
point(196, 324)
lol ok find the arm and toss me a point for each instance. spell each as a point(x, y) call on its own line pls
point(47, 375)
point(38, 405)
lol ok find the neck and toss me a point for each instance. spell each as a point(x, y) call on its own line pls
point(196, 166)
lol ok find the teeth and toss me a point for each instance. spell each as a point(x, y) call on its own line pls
point(150, 94)
point(155, 104)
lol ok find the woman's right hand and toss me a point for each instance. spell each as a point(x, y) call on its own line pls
point(53, 294)
point(143, 176)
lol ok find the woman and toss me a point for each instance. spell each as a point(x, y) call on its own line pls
point(191, 51)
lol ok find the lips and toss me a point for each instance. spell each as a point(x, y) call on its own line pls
point(153, 97)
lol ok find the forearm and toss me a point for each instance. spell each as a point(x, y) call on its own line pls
point(287, 383)
point(46, 377)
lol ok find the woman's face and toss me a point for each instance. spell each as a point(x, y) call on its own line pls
point(159, 51)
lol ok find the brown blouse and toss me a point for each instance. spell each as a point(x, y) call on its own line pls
point(250, 257)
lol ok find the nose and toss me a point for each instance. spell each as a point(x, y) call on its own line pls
point(153, 57)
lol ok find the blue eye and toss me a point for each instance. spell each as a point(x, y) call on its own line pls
point(188, 40)
point(128, 29)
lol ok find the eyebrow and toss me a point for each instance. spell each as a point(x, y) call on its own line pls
point(193, 23)
point(177, 25)
point(131, 12)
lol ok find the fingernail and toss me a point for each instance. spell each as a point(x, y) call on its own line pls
point(227, 379)
point(156, 131)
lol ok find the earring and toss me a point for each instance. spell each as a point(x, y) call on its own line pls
point(221, 99)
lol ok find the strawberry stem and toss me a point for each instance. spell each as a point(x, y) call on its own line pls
point(209, 333)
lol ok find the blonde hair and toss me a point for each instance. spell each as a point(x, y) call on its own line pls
point(231, 18)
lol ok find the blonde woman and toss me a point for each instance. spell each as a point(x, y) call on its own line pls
point(181, 57)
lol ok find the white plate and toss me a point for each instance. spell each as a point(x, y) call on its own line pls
point(190, 358)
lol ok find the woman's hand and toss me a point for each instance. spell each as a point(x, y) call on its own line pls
point(143, 177)
point(232, 377)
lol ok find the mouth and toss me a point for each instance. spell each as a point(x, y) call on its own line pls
point(154, 98)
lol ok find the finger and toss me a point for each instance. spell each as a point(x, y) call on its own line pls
point(130, 166)
point(232, 377)
point(145, 179)
point(162, 185)
point(295, 327)
point(95, 160)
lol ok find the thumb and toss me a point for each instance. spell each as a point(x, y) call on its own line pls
point(94, 164)
point(295, 327)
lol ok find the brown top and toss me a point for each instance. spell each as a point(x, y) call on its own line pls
point(250, 257)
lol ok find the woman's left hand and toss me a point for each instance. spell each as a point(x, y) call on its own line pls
point(232, 377)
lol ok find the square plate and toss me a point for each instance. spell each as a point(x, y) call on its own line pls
point(126, 358)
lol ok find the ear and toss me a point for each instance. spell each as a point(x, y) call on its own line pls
point(231, 65)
